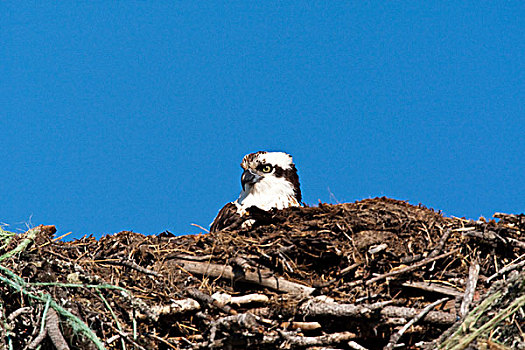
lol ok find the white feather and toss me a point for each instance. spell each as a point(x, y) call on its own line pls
point(270, 192)
point(280, 159)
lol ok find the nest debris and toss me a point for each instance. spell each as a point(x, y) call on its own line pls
point(374, 274)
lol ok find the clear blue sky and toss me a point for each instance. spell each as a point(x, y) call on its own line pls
point(136, 115)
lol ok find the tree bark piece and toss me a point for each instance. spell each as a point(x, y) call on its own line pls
point(409, 268)
point(506, 269)
point(327, 339)
point(313, 309)
point(244, 321)
point(208, 300)
point(53, 330)
point(469, 289)
point(134, 266)
point(433, 287)
point(175, 308)
point(224, 298)
point(262, 277)
point(396, 336)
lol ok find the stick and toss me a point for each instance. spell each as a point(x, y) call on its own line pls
point(356, 346)
point(492, 237)
point(441, 244)
point(43, 330)
point(18, 312)
point(224, 298)
point(315, 308)
point(473, 273)
point(133, 265)
point(506, 269)
point(407, 269)
point(262, 277)
point(244, 321)
point(433, 287)
point(209, 301)
point(53, 330)
point(175, 308)
point(394, 338)
point(304, 326)
point(327, 339)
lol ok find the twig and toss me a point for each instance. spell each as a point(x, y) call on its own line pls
point(202, 228)
point(209, 301)
point(441, 244)
point(175, 308)
point(128, 338)
point(162, 340)
point(506, 269)
point(316, 308)
point(43, 330)
point(18, 312)
point(133, 265)
point(327, 339)
point(396, 336)
point(408, 268)
point(343, 273)
point(53, 331)
point(437, 317)
point(473, 274)
point(262, 277)
point(356, 346)
point(244, 321)
point(38, 339)
point(224, 298)
point(433, 287)
point(304, 326)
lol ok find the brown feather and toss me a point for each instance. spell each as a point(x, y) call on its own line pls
point(227, 217)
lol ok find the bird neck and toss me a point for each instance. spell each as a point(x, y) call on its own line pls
point(267, 194)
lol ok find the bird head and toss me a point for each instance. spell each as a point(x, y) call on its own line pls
point(270, 177)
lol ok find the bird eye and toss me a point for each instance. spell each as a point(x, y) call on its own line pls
point(266, 168)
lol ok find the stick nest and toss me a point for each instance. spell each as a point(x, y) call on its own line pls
point(374, 274)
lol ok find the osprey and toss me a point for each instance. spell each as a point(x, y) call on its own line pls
point(269, 181)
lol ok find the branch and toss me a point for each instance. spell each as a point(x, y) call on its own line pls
point(262, 277)
point(506, 269)
point(473, 274)
point(316, 308)
point(396, 336)
point(134, 266)
point(327, 339)
point(409, 268)
point(209, 301)
point(53, 330)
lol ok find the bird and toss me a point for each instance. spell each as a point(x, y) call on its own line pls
point(269, 181)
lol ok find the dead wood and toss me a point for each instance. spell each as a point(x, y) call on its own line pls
point(262, 277)
point(326, 339)
point(54, 332)
point(394, 338)
point(470, 288)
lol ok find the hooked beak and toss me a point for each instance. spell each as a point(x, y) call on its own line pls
point(249, 178)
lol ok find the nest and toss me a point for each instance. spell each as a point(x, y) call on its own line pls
point(375, 274)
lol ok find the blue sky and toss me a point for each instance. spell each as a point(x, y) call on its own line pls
point(136, 115)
